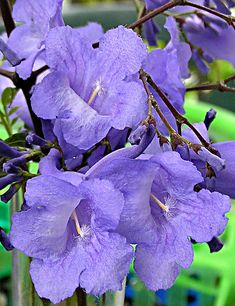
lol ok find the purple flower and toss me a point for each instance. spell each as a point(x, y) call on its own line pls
point(150, 31)
point(221, 6)
point(27, 40)
point(206, 32)
point(224, 180)
point(92, 32)
point(209, 37)
point(177, 213)
point(7, 151)
point(152, 4)
point(86, 93)
point(69, 227)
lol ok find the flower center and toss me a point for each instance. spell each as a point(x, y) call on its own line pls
point(82, 231)
point(169, 207)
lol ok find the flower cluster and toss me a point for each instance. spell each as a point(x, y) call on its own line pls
point(118, 181)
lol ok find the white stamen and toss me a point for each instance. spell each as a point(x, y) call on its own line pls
point(85, 231)
point(94, 93)
point(168, 207)
point(171, 204)
point(77, 225)
point(159, 203)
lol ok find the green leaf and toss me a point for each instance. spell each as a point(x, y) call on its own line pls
point(13, 110)
point(8, 95)
point(16, 140)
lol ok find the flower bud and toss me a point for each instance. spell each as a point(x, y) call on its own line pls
point(7, 151)
point(7, 196)
point(137, 134)
point(215, 245)
point(5, 241)
point(9, 179)
point(34, 139)
point(210, 116)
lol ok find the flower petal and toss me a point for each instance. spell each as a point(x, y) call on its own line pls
point(134, 179)
point(107, 264)
point(41, 231)
point(57, 280)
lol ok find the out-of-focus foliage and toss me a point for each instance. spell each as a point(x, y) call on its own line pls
point(96, 1)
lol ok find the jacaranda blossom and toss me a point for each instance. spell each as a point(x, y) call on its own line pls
point(70, 225)
point(27, 40)
point(176, 214)
point(86, 93)
point(224, 178)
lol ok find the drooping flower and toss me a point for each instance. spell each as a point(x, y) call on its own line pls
point(150, 31)
point(208, 32)
point(27, 40)
point(177, 213)
point(224, 178)
point(70, 223)
point(205, 32)
point(86, 92)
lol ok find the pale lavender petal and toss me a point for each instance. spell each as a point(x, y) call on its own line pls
point(108, 263)
point(66, 270)
point(42, 231)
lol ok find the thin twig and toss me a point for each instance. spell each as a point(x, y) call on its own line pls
point(9, 23)
point(7, 74)
point(231, 78)
point(153, 103)
point(103, 299)
point(154, 13)
point(36, 73)
point(180, 118)
point(81, 297)
point(220, 86)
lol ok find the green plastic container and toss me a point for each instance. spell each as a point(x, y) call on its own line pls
point(5, 257)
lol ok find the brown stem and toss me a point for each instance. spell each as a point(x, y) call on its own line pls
point(231, 78)
point(26, 86)
point(36, 121)
point(7, 74)
point(229, 19)
point(103, 299)
point(36, 73)
point(154, 13)
point(220, 86)
point(9, 23)
point(153, 103)
point(150, 118)
point(81, 297)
